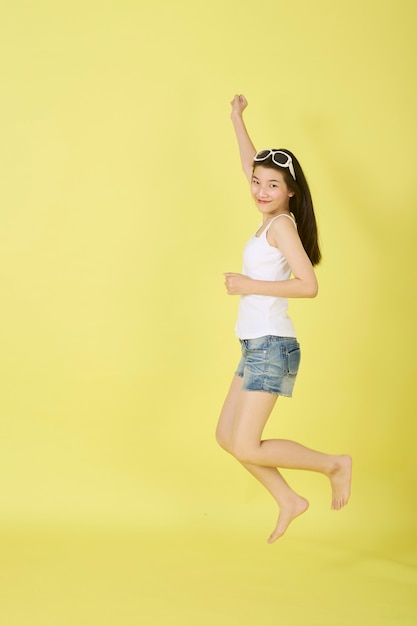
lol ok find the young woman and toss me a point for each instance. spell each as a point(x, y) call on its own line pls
point(278, 264)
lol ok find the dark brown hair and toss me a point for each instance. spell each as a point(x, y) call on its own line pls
point(301, 205)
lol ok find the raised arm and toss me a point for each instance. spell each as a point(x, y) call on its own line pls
point(246, 148)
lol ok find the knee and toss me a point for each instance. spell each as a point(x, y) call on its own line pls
point(224, 441)
point(240, 450)
point(244, 454)
point(241, 455)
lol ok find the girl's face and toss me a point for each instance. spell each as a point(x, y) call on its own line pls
point(270, 191)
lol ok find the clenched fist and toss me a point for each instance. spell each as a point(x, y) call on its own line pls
point(237, 284)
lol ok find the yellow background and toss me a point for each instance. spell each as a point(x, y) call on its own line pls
point(122, 202)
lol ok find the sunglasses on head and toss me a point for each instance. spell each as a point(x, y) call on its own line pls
point(279, 157)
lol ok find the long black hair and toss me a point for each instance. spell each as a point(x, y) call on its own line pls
point(301, 204)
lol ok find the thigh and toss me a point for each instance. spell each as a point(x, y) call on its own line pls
point(252, 412)
point(225, 426)
point(243, 417)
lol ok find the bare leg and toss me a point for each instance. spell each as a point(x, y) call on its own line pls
point(292, 455)
point(239, 431)
point(252, 413)
point(291, 505)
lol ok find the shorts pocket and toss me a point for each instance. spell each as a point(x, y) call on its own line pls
point(256, 345)
point(292, 355)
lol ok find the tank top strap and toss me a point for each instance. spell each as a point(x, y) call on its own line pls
point(281, 215)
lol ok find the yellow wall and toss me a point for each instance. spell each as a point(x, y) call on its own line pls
point(122, 202)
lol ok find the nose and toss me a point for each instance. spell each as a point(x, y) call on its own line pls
point(262, 193)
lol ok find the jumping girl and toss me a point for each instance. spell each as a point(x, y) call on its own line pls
point(277, 264)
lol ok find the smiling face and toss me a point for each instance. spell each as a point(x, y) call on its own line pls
point(270, 191)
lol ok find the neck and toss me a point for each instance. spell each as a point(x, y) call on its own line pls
point(267, 218)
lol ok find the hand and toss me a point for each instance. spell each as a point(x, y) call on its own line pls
point(239, 104)
point(237, 284)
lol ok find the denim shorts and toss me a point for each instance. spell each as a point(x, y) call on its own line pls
point(269, 364)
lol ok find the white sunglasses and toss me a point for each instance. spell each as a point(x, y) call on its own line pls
point(279, 157)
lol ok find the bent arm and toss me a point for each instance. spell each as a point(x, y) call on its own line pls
point(292, 288)
point(296, 287)
point(247, 150)
point(303, 283)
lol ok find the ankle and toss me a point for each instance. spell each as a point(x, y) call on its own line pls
point(334, 465)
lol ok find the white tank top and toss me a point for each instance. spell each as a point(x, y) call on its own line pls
point(264, 315)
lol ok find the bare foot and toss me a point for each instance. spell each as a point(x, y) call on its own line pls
point(287, 513)
point(340, 479)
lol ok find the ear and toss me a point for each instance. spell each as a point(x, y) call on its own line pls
point(291, 194)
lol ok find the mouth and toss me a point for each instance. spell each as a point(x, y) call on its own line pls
point(262, 201)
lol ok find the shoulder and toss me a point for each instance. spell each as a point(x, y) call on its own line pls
point(283, 228)
point(283, 223)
